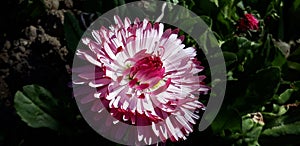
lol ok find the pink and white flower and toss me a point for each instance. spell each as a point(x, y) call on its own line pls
point(144, 76)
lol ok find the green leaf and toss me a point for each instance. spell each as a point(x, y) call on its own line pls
point(72, 31)
point(296, 4)
point(236, 44)
point(282, 116)
point(207, 20)
point(229, 57)
point(296, 85)
point(240, 5)
point(285, 96)
point(204, 42)
point(280, 110)
point(251, 129)
point(267, 54)
point(292, 128)
point(283, 129)
point(216, 2)
point(187, 23)
point(227, 120)
point(294, 65)
point(295, 54)
point(276, 112)
point(260, 88)
point(208, 40)
point(266, 82)
point(279, 58)
point(35, 105)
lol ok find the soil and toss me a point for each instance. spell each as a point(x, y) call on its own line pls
point(32, 51)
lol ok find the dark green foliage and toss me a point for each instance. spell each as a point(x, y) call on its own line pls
point(35, 105)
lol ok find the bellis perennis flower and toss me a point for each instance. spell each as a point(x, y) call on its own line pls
point(248, 22)
point(144, 76)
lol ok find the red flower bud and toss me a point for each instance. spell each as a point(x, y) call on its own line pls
point(248, 22)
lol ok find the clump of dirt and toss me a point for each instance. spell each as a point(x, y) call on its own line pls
point(4, 93)
point(38, 53)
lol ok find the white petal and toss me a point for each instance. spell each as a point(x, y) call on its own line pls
point(109, 51)
point(171, 128)
point(89, 58)
point(154, 128)
point(113, 94)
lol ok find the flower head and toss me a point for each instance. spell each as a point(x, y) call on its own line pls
point(144, 76)
point(248, 22)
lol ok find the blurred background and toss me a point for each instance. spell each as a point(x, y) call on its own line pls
point(38, 39)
